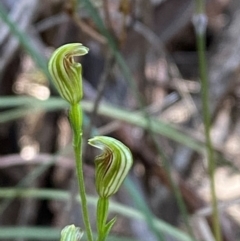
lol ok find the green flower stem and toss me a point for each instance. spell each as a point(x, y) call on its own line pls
point(102, 212)
point(210, 152)
point(200, 24)
point(75, 116)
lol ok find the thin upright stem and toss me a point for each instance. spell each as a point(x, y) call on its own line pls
point(75, 119)
point(200, 21)
point(207, 125)
point(102, 212)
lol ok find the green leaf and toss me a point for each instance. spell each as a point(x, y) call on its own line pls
point(109, 226)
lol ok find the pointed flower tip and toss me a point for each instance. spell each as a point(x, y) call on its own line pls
point(77, 48)
point(66, 73)
point(71, 233)
point(112, 166)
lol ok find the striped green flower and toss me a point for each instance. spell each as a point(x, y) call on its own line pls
point(112, 166)
point(71, 233)
point(66, 73)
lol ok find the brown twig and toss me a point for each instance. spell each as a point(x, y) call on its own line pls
point(85, 27)
point(108, 21)
point(16, 160)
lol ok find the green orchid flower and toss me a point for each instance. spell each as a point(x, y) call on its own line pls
point(112, 166)
point(66, 73)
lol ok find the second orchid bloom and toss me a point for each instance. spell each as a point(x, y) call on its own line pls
point(112, 166)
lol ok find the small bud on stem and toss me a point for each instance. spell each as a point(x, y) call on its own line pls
point(71, 233)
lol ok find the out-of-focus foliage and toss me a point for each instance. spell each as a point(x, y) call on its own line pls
point(141, 86)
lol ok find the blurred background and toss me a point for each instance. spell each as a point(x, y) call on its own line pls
point(141, 86)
